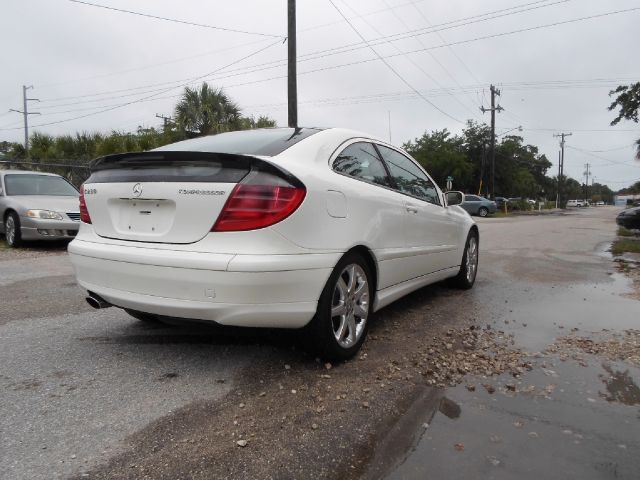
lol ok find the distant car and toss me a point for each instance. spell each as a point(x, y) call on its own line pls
point(600, 203)
point(480, 206)
point(500, 201)
point(574, 203)
point(629, 218)
point(37, 206)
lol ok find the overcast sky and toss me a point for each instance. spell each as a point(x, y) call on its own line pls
point(83, 60)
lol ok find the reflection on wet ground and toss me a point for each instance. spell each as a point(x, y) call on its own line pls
point(574, 415)
point(558, 423)
point(620, 386)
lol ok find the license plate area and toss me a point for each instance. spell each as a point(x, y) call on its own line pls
point(144, 217)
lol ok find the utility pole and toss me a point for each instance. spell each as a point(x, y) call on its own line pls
point(164, 119)
point(25, 112)
point(292, 82)
point(482, 162)
point(587, 173)
point(558, 189)
point(494, 93)
point(561, 177)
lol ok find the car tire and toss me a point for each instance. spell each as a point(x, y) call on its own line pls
point(467, 276)
point(340, 325)
point(483, 211)
point(143, 317)
point(12, 233)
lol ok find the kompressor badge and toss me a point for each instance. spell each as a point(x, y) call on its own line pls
point(185, 191)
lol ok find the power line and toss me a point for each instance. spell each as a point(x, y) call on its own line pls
point(338, 50)
point(144, 67)
point(563, 84)
point(390, 96)
point(154, 95)
point(613, 162)
point(626, 146)
point(184, 22)
point(303, 30)
point(441, 37)
point(389, 56)
point(391, 68)
point(437, 28)
point(379, 41)
point(413, 62)
point(435, 59)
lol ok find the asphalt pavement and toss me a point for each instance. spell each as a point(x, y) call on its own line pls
point(76, 382)
point(81, 388)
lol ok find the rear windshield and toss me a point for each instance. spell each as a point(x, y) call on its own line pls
point(266, 142)
point(38, 185)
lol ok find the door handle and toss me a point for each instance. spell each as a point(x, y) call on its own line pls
point(411, 208)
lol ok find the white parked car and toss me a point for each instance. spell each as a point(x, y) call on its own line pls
point(269, 228)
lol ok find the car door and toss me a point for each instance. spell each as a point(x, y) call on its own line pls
point(431, 231)
point(376, 210)
point(472, 204)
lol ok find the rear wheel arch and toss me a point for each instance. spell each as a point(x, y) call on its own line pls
point(370, 258)
point(476, 232)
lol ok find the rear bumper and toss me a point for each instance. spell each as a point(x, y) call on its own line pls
point(242, 290)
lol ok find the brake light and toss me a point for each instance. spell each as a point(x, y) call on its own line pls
point(253, 205)
point(84, 213)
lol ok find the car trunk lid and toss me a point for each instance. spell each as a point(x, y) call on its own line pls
point(164, 197)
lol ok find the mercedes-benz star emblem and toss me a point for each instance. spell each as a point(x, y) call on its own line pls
point(137, 190)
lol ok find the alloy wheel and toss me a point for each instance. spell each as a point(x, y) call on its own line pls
point(350, 305)
point(472, 259)
point(10, 230)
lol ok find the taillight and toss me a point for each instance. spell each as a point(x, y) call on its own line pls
point(84, 213)
point(258, 202)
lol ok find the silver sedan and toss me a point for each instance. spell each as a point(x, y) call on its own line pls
point(480, 206)
point(37, 206)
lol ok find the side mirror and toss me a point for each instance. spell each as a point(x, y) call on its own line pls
point(454, 198)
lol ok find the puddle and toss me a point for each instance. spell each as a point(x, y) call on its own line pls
point(537, 317)
point(574, 415)
point(566, 421)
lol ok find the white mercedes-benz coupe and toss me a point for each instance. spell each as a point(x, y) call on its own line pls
point(283, 227)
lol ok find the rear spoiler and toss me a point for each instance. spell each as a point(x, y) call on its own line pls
point(183, 166)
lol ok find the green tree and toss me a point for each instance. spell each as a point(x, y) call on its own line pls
point(263, 121)
point(628, 103)
point(442, 155)
point(206, 110)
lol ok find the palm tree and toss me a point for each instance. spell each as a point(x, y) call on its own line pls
point(206, 110)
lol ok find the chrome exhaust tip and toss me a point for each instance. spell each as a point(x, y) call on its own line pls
point(96, 301)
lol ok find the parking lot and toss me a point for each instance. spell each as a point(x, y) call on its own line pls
point(95, 393)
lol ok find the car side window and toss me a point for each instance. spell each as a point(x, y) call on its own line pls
point(360, 160)
point(408, 177)
point(471, 198)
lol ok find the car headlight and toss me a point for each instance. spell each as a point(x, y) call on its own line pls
point(44, 214)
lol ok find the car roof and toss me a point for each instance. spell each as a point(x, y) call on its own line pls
point(267, 142)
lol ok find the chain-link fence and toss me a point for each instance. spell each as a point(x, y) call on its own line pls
point(74, 173)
